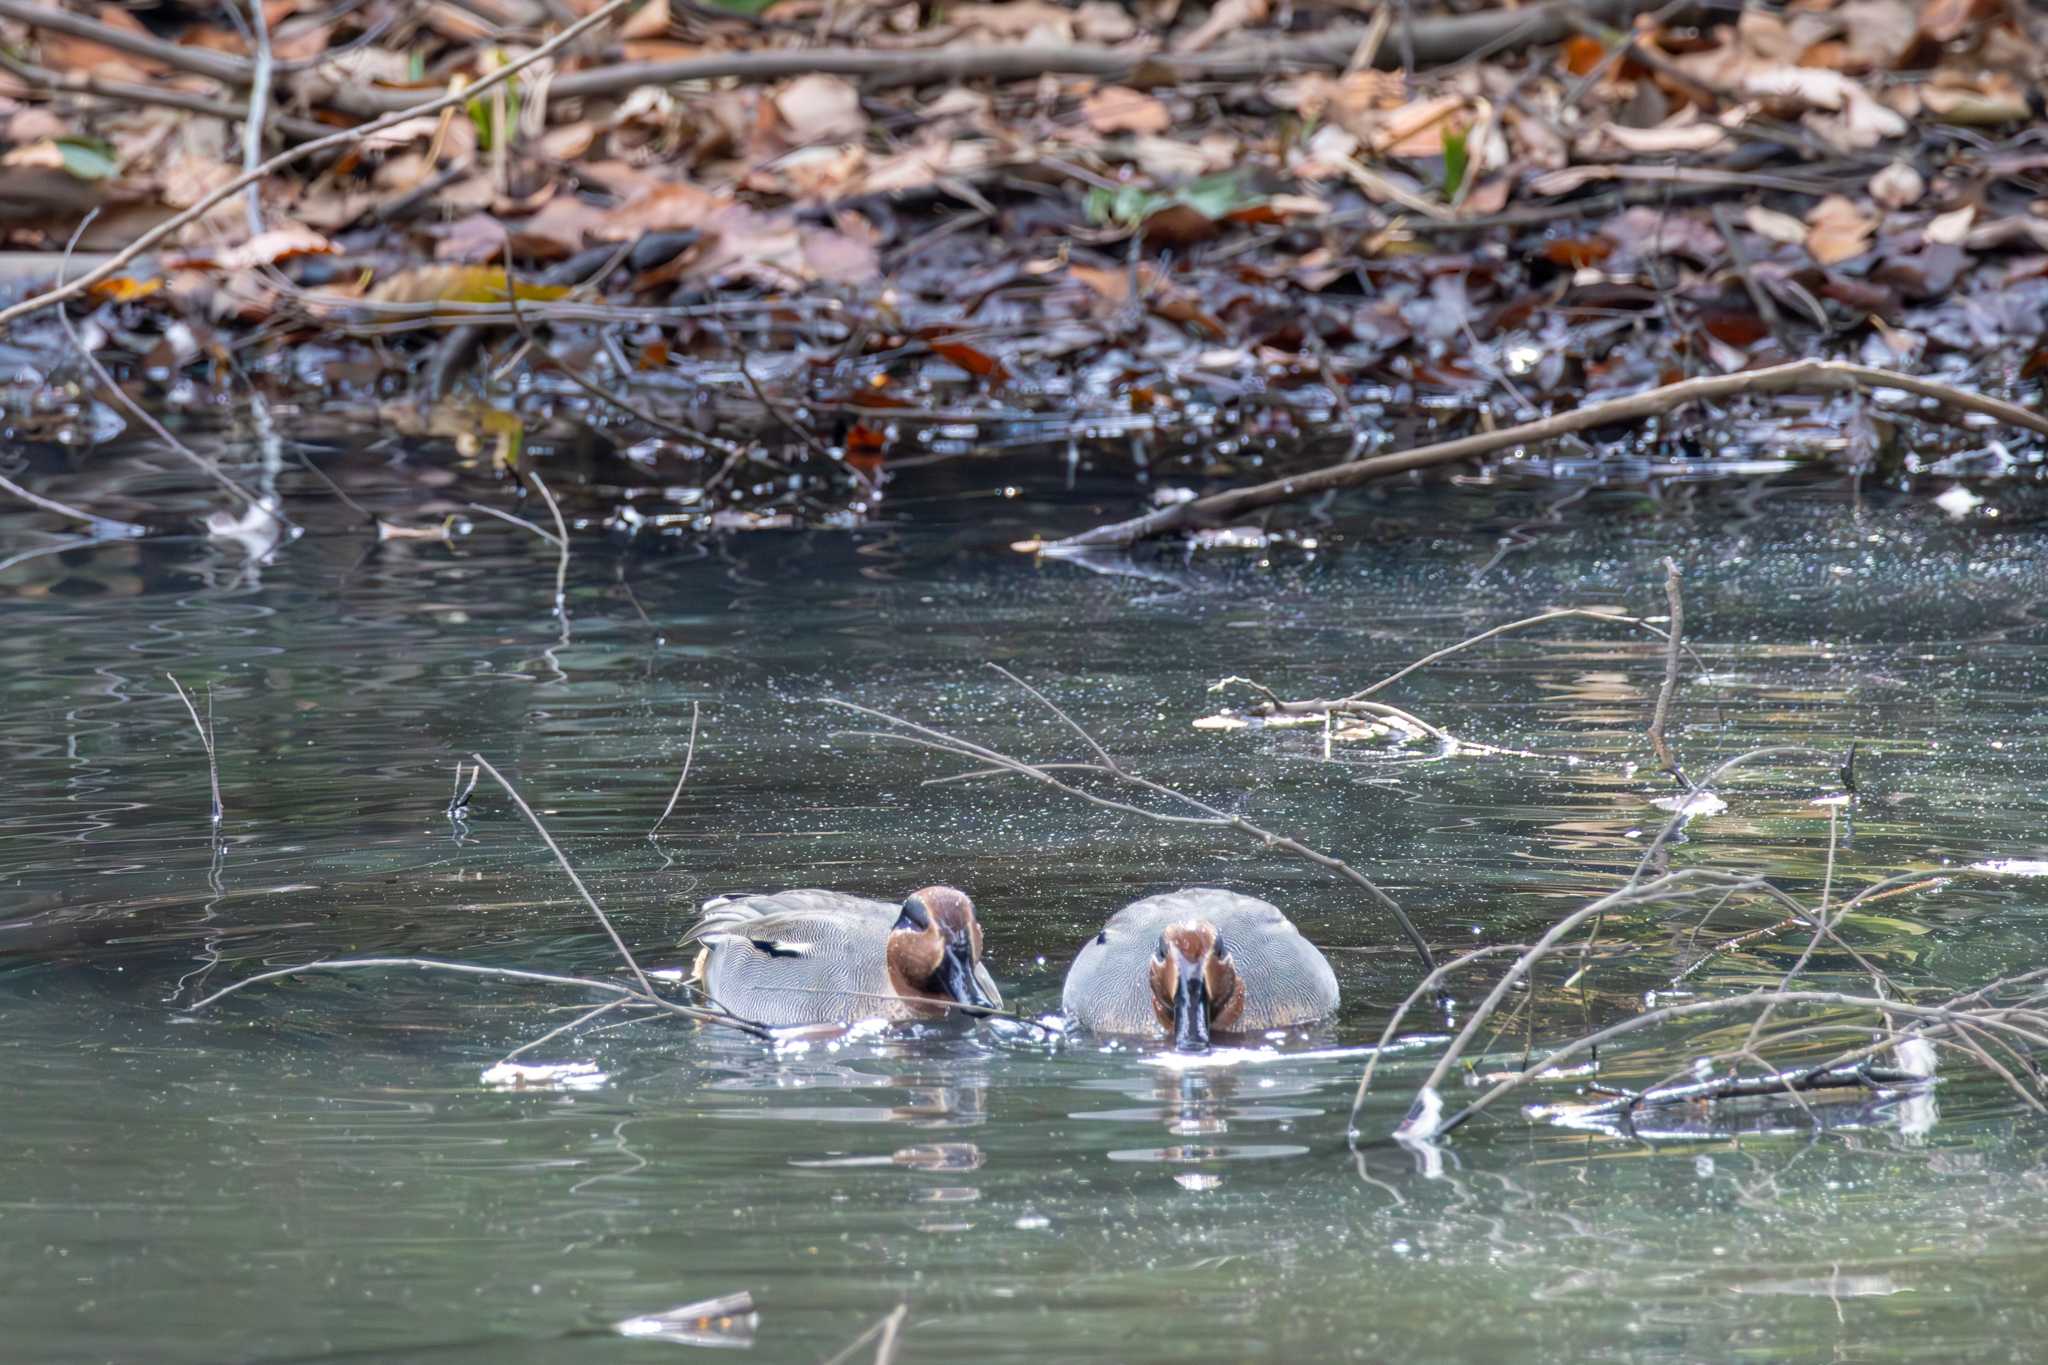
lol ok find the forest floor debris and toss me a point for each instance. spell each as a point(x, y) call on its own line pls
point(849, 239)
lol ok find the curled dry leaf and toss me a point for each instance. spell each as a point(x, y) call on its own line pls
point(1837, 231)
point(1120, 109)
point(1678, 137)
point(1897, 186)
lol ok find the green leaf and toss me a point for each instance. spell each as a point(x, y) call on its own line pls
point(1454, 162)
point(1216, 196)
point(750, 8)
point(87, 158)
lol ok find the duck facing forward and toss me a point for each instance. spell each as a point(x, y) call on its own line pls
point(824, 957)
point(1190, 963)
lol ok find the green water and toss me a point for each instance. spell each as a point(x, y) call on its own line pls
point(312, 1170)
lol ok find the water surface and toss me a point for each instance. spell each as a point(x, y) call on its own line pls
point(312, 1170)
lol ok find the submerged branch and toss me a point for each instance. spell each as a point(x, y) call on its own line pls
point(1798, 375)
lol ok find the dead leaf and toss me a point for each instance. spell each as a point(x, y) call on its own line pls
point(570, 142)
point(1417, 128)
point(1943, 21)
point(458, 284)
point(665, 207)
point(651, 20)
point(820, 108)
point(280, 243)
point(563, 227)
point(1778, 227)
point(1017, 19)
point(1993, 99)
point(978, 363)
point(1897, 186)
point(1838, 231)
point(1952, 228)
point(837, 256)
point(472, 240)
point(1877, 34)
point(1120, 109)
point(1229, 16)
point(1688, 136)
point(1099, 21)
point(126, 288)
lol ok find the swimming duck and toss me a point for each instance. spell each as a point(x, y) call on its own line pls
point(1195, 962)
point(819, 957)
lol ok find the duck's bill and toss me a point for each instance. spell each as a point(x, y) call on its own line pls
point(1191, 1014)
point(958, 979)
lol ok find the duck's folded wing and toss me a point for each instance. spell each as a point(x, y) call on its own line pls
point(786, 923)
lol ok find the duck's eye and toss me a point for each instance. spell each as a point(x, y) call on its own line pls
point(1221, 952)
point(1159, 953)
point(914, 917)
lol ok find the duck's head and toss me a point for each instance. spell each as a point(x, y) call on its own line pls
point(1195, 987)
point(935, 948)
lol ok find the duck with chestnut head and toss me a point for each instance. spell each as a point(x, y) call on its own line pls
point(1190, 964)
point(822, 957)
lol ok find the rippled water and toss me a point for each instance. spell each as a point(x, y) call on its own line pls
point(312, 1170)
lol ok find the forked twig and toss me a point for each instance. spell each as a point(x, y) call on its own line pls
point(888, 1329)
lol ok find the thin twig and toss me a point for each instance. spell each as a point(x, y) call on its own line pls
point(543, 532)
point(259, 110)
point(624, 952)
point(1673, 595)
point(886, 1329)
point(205, 740)
point(595, 1012)
point(103, 527)
point(688, 755)
point(561, 539)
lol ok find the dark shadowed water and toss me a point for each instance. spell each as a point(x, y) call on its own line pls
point(313, 1170)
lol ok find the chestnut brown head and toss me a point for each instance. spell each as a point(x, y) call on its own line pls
point(1195, 987)
point(935, 949)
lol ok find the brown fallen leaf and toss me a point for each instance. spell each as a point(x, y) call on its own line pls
point(1897, 186)
point(820, 108)
point(1776, 226)
point(473, 240)
point(1120, 109)
point(1229, 16)
point(280, 243)
point(1944, 21)
point(1991, 99)
point(1837, 230)
point(978, 363)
